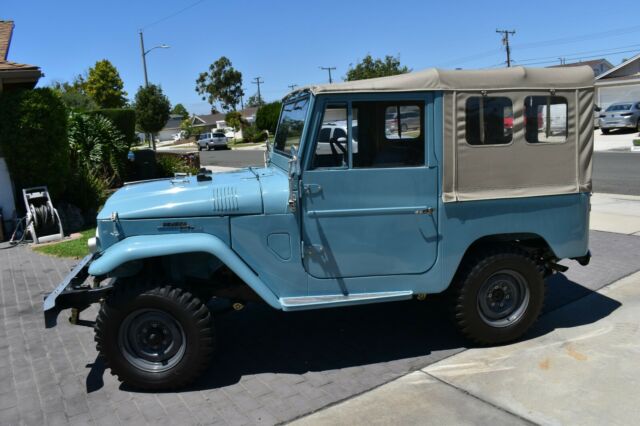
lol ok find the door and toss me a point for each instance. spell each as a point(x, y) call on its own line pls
point(370, 211)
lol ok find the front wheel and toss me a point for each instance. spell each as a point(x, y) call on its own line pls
point(497, 296)
point(604, 131)
point(154, 338)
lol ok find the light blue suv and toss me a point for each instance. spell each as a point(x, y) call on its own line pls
point(452, 203)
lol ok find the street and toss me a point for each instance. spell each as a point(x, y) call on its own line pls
point(616, 172)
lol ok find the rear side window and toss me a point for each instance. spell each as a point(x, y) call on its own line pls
point(545, 119)
point(489, 120)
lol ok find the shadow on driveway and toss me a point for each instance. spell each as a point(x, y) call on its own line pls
point(400, 335)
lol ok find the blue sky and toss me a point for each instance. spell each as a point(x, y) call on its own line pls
point(285, 42)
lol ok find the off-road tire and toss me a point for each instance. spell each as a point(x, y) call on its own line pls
point(183, 306)
point(468, 282)
point(604, 131)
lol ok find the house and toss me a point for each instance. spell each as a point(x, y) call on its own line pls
point(621, 83)
point(217, 121)
point(599, 66)
point(171, 128)
point(13, 76)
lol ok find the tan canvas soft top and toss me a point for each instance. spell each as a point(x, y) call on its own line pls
point(491, 79)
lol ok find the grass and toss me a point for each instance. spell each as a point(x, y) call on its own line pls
point(72, 248)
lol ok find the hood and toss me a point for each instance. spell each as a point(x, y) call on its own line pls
point(228, 193)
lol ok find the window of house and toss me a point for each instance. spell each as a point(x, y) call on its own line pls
point(388, 134)
point(332, 148)
point(545, 119)
point(489, 120)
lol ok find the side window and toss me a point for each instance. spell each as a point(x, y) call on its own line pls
point(388, 134)
point(545, 119)
point(331, 146)
point(489, 120)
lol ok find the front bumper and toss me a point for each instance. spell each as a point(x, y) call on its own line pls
point(72, 292)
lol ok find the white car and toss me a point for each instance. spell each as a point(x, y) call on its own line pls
point(215, 140)
point(336, 133)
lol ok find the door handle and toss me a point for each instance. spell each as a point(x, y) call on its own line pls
point(311, 188)
point(428, 210)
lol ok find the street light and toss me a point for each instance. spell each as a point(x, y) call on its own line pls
point(144, 56)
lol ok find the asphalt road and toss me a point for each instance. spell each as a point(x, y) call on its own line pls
point(616, 173)
point(613, 172)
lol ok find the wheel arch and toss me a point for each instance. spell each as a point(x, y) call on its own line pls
point(138, 248)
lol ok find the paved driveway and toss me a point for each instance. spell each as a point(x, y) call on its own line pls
point(271, 367)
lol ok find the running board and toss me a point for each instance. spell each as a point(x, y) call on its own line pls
point(334, 300)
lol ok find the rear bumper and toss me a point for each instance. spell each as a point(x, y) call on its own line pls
point(72, 292)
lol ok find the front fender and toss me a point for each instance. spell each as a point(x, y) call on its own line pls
point(145, 246)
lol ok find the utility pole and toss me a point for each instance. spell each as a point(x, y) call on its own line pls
point(562, 61)
point(505, 42)
point(328, 69)
point(144, 59)
point(258, 82)
point(292, 87)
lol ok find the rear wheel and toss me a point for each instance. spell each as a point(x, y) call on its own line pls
point(154, 337)
point(497, 296)
point(605, 131)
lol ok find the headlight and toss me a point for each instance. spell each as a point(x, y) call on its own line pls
point(93, 244)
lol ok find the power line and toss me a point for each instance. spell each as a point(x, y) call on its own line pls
point(174, 14)
point(258, 82)
point(292, 87)
point(505, 41)
point(329, 69)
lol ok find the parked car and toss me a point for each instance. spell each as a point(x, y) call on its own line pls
point(620, 115)
point(456, 209)
point(212, 140)
point(336, 134)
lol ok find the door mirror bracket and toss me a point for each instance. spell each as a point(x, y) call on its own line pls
point(294, 172)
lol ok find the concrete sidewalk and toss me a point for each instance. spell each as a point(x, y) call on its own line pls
point(583, 372)
point(615, 213)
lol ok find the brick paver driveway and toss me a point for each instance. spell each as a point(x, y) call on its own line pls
point(271, 366)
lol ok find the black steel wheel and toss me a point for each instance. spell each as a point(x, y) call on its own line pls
point(154, 337)
point(497, 295)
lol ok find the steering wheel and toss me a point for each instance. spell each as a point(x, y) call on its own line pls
point(333, 142)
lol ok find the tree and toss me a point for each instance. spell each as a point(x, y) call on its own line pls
point(254, 101)
point(221, 84)
point(74, 95)
point(371, 68)
point(180, 110)
point(267, 116)
point(235, 120)
point(104, 85)
point(152, 110)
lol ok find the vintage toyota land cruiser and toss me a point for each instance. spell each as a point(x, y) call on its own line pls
point(480, 195)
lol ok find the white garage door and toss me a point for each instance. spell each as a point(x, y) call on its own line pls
point(611, 94)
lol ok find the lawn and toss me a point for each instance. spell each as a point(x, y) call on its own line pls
point(72, 248)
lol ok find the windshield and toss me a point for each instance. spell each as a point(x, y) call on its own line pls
point(619, 107)
point(291, 124)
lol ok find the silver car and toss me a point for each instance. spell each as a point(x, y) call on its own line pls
point(620, 115)
point(215, 140)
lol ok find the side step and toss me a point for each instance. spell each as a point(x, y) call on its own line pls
point(334, 300)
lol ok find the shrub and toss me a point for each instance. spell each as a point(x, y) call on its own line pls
point(87, 191)
point(33, 137)
point(267, 116)
point(252, 134)
point(97, 146)
point(168, 164)
point(125, 121)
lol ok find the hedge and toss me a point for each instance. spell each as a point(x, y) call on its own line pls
point(124, 120)
point(267, 116)
point(33, 136)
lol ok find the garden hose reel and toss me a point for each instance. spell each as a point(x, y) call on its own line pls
point(43, 221)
